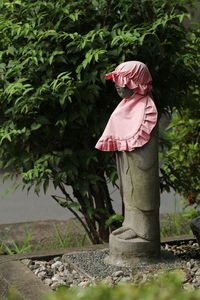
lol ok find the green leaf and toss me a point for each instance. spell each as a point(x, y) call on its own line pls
point(112, 219)
point(46, 185)
point(35, 126)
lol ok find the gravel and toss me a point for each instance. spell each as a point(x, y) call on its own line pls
point(87, 267)
point(92, 262)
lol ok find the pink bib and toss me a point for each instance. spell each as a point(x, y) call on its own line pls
point(132, 121)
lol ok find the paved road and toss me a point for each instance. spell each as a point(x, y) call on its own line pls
point(20, 207)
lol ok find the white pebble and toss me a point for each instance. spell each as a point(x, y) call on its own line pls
point(61, 268)
point(26, 261)
point(66, 273)
point(36, 271)
point(56, 265)
point(32, 267)
point(55, 285)
point(42, 268)
point(41, 274)
point(117, 274)
point(56, 258)
point(56, 277)
point(126, 278)
point(84, 283)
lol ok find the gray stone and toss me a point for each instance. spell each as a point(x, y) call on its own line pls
point(48, 281)
point(41, 275)
point(126, 278)
point(68, 281)
point(56, 258)
point(139, 236)
point(108, 280)
point(56, 277)
point(55, 285)
point(27, 262)
point(42, 268)
point(36, 271)
point(84, 283)
point(117, 274)
point(27, 285)
point(32, 267)
point(49, 272)
point(66, 273)
point(195, 226)
point(56, 265)
point(61, 268)
point(197, 273)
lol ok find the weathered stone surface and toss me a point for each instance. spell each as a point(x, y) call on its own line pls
point(139, 237)
point(186, 257)
point(18, 271)
point(16, 274)
point(56, 265)
point(195, 226)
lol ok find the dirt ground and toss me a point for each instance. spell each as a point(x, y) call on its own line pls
point(56, 234)
point(44, 234)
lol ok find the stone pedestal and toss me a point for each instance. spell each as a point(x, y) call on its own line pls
point(195, 226)
point(130, 252)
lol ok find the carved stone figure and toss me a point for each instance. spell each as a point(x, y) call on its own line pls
point(132, 132)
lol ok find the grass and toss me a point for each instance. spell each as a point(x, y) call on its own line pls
point(16, 248)
point(66, 241)
point(171, 225)
point(174, 224)
point(59, 240)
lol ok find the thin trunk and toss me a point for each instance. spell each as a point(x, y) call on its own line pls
point(78, 218)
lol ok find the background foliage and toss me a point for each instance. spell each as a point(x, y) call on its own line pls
point(182, 159)
point(54, 102)
point(181, 162)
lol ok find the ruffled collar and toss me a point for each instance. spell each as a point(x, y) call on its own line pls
point(130, 125)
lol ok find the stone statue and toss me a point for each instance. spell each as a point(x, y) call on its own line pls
point(132, 132)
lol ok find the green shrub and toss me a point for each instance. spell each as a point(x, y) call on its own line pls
point(54, 102)
point(180, 170)
point(13, 295)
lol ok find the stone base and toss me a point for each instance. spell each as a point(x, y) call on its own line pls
point(195, 226)
point(132, 251)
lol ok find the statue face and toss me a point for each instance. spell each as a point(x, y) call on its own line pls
point(124, 92)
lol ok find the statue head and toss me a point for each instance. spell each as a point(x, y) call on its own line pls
point(124, 92)
point(131, 77)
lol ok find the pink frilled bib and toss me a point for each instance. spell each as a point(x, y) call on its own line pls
point(131, 123)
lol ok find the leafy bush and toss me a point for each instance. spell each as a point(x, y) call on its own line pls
point(54, 102)
point(13, 295)
point(182, 158)
point(181, 161)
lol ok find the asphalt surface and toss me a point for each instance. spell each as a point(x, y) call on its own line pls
point(22, 207)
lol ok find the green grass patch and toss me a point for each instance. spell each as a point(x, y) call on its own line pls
point(170, 225)
point(174, 224)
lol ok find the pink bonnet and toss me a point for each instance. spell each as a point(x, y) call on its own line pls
point(133, 74)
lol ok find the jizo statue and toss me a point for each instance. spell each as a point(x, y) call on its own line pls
point(132, 132)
